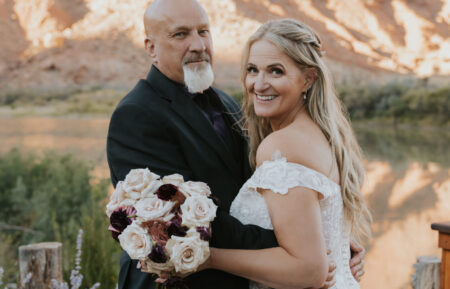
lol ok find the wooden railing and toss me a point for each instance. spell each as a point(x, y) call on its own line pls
point(444, 243)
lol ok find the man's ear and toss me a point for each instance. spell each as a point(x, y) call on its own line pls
point(150, 48)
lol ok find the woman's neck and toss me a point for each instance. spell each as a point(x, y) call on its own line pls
point(286, 120)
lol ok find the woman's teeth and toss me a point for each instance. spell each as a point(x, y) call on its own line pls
point(265, 97)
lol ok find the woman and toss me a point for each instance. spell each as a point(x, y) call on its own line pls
point(308, 175)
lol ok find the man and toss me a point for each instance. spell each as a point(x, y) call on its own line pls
point(175, 122)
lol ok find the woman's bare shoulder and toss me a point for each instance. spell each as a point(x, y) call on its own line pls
point(307, 147)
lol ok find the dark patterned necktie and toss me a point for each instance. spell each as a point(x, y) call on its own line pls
point(211, 108)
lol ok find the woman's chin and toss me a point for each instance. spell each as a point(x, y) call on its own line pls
point(264, 113)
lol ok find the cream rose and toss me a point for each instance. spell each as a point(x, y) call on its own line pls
point(154, 208)
point(118, 199)
point(141, 183)
point(149, 266)
point(135, 241)
point(194, 188)
point(175, 179)
point(187, 253)
point(198, 211)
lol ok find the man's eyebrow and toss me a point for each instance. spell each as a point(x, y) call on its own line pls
point(178, 28)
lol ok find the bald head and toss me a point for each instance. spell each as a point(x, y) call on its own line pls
point(160, 11)
point(178, 36)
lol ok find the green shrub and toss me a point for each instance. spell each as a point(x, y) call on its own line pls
point(54, 195)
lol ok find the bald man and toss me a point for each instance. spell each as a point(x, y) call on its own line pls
point(175, 122)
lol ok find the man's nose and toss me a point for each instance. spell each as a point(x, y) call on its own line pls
point(197, 43)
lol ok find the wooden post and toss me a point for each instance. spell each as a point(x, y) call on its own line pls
point(427, 273)
point(39, 264)
point(444, 243)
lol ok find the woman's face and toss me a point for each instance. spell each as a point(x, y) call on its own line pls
point(274, 82)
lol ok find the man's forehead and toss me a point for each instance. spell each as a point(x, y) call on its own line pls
point(173, 20)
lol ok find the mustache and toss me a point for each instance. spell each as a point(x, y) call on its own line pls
point(195, 57)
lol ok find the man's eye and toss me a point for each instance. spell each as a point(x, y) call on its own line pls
point(203, 32)
point(180, 34)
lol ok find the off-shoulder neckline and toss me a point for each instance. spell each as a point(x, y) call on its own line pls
point(276, 157)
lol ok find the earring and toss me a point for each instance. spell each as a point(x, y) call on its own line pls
point(304, 95)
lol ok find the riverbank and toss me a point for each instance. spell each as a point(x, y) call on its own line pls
point(401, 105)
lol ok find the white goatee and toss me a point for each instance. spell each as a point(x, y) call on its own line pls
point(198, 78)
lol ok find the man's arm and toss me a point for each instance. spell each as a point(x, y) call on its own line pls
point(139, 139)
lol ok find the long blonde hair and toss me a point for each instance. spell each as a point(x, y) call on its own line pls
point(302, 45)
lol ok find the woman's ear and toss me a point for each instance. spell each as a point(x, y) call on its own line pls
point(310, 76)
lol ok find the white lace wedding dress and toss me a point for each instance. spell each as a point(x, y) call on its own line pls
point(279, 176)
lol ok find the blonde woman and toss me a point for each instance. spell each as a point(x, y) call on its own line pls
point(308, 171)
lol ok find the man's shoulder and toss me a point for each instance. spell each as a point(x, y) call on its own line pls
point(144, 96)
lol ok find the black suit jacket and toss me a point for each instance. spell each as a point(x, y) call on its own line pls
point(157, 125)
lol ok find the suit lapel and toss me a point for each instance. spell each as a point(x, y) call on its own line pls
point(184, 106)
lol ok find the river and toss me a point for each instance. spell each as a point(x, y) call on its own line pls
point(407, 185)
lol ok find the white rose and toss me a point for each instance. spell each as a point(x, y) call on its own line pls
point(154, 208)
point(135, 241)
point(175, 179)
point(141, 183)
point(149, 266)
point(187, 253)
point(118, 199)
point(198, 211)
point(194, 188)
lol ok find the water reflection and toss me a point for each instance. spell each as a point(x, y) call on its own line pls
point(407, 187)
point(402, 146)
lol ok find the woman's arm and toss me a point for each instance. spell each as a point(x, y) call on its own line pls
point(301, 259)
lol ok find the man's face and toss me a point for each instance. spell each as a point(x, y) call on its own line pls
point(180, 37)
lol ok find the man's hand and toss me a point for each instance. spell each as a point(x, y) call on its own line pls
point(357, 260)
point(331, 273)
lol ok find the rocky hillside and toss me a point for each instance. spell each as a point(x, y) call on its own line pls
point(61, 43)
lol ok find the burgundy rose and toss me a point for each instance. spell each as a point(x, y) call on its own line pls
point(176, 229)
point(167, 191)
point(157, 254)
point(121, 218)
point(205, 233)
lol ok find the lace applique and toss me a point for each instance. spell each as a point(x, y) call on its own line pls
point(279, 176)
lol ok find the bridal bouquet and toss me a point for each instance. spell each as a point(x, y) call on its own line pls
point(163, 223)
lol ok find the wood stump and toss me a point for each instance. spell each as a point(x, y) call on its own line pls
point(43, 261)
point(427, 273)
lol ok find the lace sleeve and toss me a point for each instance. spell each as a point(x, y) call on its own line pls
point(279, 176)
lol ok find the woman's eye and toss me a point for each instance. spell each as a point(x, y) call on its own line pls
point(252, 70)
point(276, 71)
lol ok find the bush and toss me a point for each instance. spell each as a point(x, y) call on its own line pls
point(54, 196)
point(397, 102)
